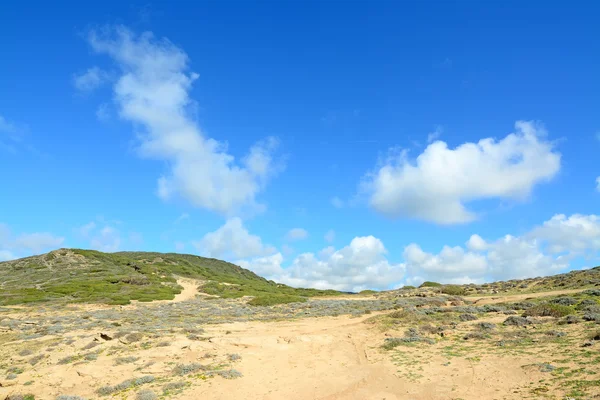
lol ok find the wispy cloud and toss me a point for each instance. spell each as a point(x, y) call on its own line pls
point(90, 80)
point(152, 91)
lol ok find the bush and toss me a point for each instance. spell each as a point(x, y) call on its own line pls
point(391, 343)
point(467, 317)
point(146, 395)
point(169, 388)
point(514, 320)
point(453, 290)
point(273, 299)
point(548, 310)
point(430, 284)
point(183, 369)
point(65, 397)
point(564, 301)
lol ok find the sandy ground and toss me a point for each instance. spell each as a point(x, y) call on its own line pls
point(329, 358)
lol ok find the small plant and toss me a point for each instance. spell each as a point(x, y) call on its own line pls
point(126, 360)
point(134, 337)
point(515, 320)
point(90, 345)
point(184, 369)
point(234, 357)
point(25, 352)
point(146, 394)
point(230, 374)
point(467, 317)
point(67, 360)
point(169, 388)
point(36, 359)
point(67, 397)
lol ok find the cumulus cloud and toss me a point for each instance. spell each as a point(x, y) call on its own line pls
point(36, 242)
point(439, 184)
point(91, 79)
point(106, 239)
point(544, 250)
point(296, 234)
point(363, 264)
point(26, 244)
point(232, 240)
point(103, 236)
point(575, 234)
point(360, 265)
point(153, 92)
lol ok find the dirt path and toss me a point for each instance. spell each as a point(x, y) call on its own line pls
point(325, 358)
point(481, 300)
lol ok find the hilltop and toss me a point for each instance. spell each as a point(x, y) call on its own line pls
point(88, 276)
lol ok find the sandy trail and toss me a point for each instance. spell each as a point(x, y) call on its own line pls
point(481, 300)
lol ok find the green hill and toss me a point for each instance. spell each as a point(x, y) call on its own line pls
point(87, 276)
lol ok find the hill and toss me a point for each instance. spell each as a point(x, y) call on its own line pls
point(87, 276)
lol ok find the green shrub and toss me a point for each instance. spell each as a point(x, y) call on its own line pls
point(548, 310)
point(273, 299)
point(430, 284)
point(453, 290)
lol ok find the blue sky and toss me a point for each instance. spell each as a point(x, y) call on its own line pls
point(331, 144)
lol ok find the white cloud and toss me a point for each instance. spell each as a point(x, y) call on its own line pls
point(544, 250)
point(337, 202)
point(108, 239)
point(89, 80)
point(437, 186)
point(25, 244)
point(575, 234)
point(330, 236)
point(360, 265)
point(86, 229)
point(296, 234)
point(152, 92)
point(105, 237)
point(232, 240)
point(287, 250)
point(182, 217)
point(432, 136)
point(476, 243)
point(6, 255)
point(598, 183)
point(36, 242)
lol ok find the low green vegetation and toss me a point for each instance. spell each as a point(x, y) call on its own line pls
point(88, 276)
point(273, 299)
point(430, 284)
point(453, 290)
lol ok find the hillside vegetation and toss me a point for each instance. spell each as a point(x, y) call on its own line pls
point(87, 276)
